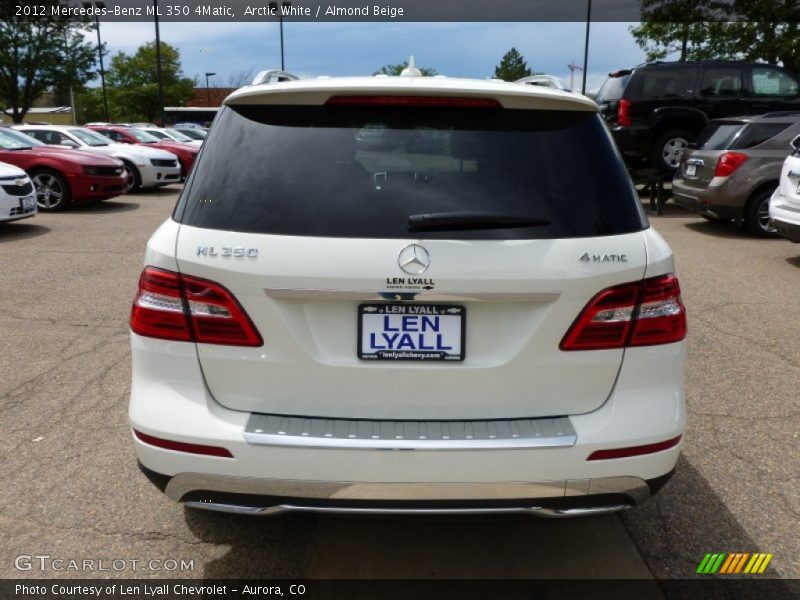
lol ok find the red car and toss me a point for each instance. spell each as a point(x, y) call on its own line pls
point(62, 176)
point(131, 135)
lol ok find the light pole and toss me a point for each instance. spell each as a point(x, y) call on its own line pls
point(100, 6)
point(586, 45)
point(208, 89)
point(158, 66)
point(273, 6)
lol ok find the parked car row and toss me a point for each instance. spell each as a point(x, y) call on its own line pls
point(656, 110)
point(77, 165)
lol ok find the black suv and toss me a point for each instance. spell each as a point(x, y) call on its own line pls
point(655, 110)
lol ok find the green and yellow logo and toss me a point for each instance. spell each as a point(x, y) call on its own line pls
point(738, 562)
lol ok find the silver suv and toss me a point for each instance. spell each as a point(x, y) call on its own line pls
point(735, 168)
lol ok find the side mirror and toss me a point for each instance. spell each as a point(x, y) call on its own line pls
point(69, 144)
point(795, 143)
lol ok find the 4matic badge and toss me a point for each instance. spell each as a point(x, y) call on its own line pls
point(603, 258)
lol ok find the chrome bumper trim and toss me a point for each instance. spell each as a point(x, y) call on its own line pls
point(428, 296)
point(363, 434)
point(183, 483)
point(537, 511)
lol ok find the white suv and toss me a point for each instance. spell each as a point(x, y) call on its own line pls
point(408, 294)
point(784, 206)
point(146, 167)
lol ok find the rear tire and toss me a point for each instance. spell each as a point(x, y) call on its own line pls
point(756, 215)
point(667, 151)
point(134, 180)
point(52, 191)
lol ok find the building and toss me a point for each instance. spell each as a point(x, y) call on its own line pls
point(50, 115)
point(215, 94)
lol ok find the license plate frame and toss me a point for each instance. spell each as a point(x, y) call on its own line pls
point(433, 354)
point(27, 203)
point(691, 170)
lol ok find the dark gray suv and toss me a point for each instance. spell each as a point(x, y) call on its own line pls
point(736, 166)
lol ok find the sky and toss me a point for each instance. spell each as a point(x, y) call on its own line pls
point(313, 49)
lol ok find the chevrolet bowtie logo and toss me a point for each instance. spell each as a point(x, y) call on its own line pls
point(414, 259)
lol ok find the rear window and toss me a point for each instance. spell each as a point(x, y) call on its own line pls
point(735, 135)
point(612, 89)
point(361, 172)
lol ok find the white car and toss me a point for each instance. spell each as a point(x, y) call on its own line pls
point(784, 206)
point(173, 135)
point(468, 313)
point(146, 167)
point(17, 198)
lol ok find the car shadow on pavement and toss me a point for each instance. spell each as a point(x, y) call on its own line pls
point(725, 229)
point(794, 260)
point(108, 206)
point(160, 191)
point(670, 210)
point(668, 537)
point(11, 232)
point(677, 527)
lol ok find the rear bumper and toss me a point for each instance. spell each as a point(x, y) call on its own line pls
point(169, 400)
point(711, 201)
point(265, 497)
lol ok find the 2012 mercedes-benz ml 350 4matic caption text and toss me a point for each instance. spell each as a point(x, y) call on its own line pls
point(408, 294)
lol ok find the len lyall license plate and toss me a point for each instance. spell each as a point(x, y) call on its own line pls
point(411, 332)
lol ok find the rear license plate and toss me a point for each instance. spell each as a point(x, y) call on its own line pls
point(691, 170)
point(411, 332)
point(27, 204)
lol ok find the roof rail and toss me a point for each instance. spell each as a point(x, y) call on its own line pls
point(274, 76)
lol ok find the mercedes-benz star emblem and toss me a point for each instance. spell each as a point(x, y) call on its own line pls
point(414, 259)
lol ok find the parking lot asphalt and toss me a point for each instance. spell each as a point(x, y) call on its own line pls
point(70, 489)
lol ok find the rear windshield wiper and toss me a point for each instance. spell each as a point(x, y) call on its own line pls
point(454, 221)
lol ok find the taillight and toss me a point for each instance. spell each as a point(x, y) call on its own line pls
point(624, 112)
point(728, 163)
point(171, 306)
point(423, 101)
point(643, 313)
point(158, 309)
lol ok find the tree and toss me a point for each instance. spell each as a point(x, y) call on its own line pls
point(395, 70)
point(89, 105)
point(36, 55)
point(756, 30)
point(512, 67)
point(239, 78)
point(133, 83)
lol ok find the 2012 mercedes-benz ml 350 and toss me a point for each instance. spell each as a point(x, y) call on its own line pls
point(408, 294)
